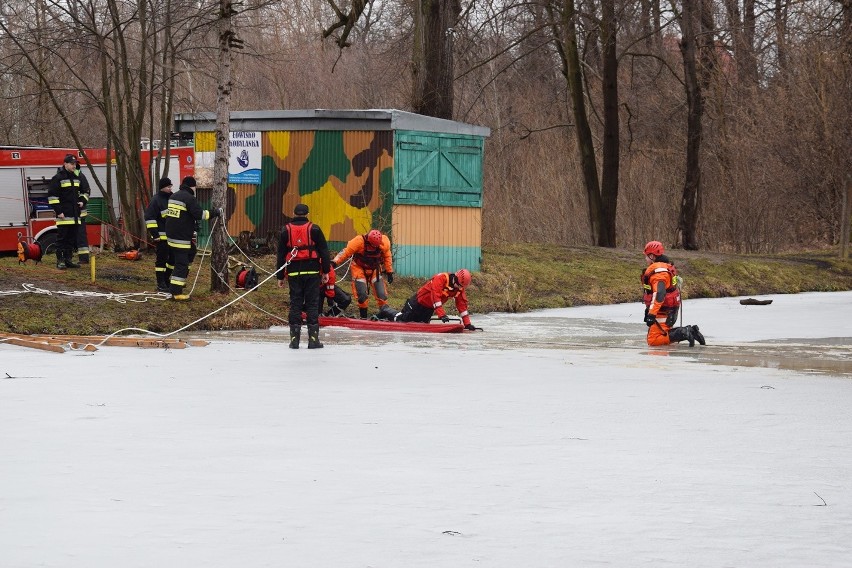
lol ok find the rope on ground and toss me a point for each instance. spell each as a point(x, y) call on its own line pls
point(202, 318)
point(121, 298)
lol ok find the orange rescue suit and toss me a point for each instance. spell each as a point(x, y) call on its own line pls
point(657, 272)
point(437, 291)
point(366, 262)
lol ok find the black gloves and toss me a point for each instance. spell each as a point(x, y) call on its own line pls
point(389, 277)
point(333, 264)
point(445, 319)
point(215, 213)
point(650, 319)
point(471, 327)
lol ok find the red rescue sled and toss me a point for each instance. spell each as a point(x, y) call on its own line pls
point(384, 325)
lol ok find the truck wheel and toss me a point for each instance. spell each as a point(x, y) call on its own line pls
point(47, 242)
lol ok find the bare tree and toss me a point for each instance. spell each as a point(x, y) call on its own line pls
point(432, 64)
point(602, 193)
point(228, 41)
point(99, 63)
point(697, 46)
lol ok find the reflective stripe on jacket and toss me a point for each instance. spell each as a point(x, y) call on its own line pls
point(182, 214)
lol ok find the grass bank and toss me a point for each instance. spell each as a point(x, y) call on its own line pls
point(515, 278)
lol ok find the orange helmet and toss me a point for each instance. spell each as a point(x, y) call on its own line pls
point(374, 237)
point(654, 247)
point(463, 277)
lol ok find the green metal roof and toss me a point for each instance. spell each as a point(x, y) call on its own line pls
point(326, 119)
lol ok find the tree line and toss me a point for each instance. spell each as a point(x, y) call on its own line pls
point(714, 124)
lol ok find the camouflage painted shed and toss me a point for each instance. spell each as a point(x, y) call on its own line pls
point(417, 178)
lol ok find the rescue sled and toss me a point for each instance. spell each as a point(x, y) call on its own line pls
point(384, 325)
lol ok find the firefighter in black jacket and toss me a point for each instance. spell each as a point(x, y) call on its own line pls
point(155, 221)
point(63, 195)
point(82, 238)
point(304, 247)
point(182, 215)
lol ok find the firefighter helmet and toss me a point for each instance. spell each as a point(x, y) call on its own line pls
point(463, 277)
point(655, 248)
point(374, 237)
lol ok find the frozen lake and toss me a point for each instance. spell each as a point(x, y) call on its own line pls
point(556, 438)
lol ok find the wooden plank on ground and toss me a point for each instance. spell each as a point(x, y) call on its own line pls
point(90, 342)
point(124, 341)
point(43, 345)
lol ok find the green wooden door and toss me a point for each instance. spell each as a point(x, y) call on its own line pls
point(438, 169)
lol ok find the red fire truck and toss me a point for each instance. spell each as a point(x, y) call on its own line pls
point(25, 174)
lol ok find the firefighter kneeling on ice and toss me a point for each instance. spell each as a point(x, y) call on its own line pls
point(430, 299)
point(662, 300)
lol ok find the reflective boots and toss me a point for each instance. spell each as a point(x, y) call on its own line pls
point(313, 337)
point(678, 334)
point(69, 260)
point(387, 313)
point(162, 283)
point(697, 335)
point(295, 335)
point(60, 260)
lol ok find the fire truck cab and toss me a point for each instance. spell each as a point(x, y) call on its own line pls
point(25, 174)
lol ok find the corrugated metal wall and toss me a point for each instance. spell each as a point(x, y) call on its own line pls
point(437, 215)
point(431, 239)
point(342, 176)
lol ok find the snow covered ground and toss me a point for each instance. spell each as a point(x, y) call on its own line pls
point(555, 438)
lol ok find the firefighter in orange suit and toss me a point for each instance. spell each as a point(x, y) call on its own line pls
point(432, 296)
point(371, 255)
point(662, 300)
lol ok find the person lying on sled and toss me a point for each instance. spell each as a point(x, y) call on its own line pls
point(430, 299)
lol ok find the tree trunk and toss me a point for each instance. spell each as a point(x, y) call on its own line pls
point(219, 257)
point(611, 146)
point(846, 217)
point(433, 65)
point(695, 110)
point(573, 71)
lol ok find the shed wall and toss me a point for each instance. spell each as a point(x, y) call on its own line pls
point(342, 176)
point(432, 239)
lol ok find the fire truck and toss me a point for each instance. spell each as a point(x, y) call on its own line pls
point(25, 174)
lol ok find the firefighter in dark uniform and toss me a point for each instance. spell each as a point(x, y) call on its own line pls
point(155, 221)
point(182, 216)
point(83, 193)
point(63, 195)
point(304, 247)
